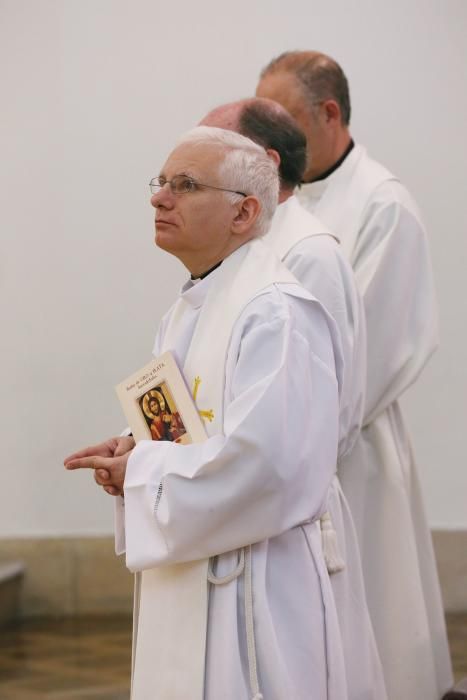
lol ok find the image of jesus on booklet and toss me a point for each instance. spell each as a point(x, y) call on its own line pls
point(160, 413)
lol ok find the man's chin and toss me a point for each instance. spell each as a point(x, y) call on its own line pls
point(164, 242)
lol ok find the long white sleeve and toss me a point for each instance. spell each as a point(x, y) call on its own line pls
point(321, 268)
point(394, 276)
point(272, 467)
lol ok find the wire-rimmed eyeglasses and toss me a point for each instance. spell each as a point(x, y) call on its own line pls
point(182, 184)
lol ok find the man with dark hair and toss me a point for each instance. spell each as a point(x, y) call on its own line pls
point(313, 254)
point(268, 124)
point(305, 244)
point(384, 239)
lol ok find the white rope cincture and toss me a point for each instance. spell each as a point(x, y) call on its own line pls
point(220, 580)
point(244, 566)
point(250, 629)
point(330, 545)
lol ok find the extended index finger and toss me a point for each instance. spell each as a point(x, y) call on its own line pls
point(89, 462)
point(101, 449)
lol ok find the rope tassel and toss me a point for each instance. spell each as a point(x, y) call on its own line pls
point(332, 555)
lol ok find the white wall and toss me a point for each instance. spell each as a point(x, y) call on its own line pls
point(93, 94)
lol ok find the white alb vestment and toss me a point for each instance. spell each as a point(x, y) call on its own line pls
point(314, 256)
point(260, 479)
point(382, 235)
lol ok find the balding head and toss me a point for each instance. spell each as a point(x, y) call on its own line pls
point(270, 125)
point(321, 77)
point(225, 116)
point(313, 88)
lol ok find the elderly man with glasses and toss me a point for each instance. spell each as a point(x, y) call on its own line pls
point(230, 527)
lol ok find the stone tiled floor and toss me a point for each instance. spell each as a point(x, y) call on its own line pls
point(457, 631)
point(89, 658)
point(70, 659)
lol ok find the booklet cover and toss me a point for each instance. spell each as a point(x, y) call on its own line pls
point(158, 405)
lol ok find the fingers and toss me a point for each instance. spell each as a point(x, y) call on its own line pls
point(109, 472)
point(103, 449)
point(102, 477)
point(124, 445)
point(92, 462)
point(86, 452)
point(112, 491)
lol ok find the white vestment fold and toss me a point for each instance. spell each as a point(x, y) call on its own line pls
point(259, 483)
point(382, 235)
point(314, 255)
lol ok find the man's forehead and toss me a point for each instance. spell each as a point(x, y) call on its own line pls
point(282, 87)
point(192, 159)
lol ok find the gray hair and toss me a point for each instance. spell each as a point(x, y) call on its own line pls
point(246, 167)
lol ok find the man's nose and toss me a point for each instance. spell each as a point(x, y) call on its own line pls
point(163, 197)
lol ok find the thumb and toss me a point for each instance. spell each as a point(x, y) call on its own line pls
point(124, 445)
point(103, 474)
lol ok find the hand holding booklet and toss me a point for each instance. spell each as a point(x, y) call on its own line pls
point(158, 405)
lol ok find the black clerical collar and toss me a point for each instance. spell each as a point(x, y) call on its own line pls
point(334, 167)
point(208, 272)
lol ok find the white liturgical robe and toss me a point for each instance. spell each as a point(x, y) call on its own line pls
point(383, 238)
point(261, 479)
point(314, 255)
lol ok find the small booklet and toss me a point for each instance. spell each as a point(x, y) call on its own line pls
point(158, 405)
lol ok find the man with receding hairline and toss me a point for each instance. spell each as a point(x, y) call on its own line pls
point(313, 254)
point(382, 235)
point(306, 245)
point(286, 80)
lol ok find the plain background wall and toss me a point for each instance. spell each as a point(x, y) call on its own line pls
point(94, 92)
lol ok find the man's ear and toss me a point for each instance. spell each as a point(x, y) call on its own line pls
point(332, 112)
point(247, 211)
point(274, 156)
